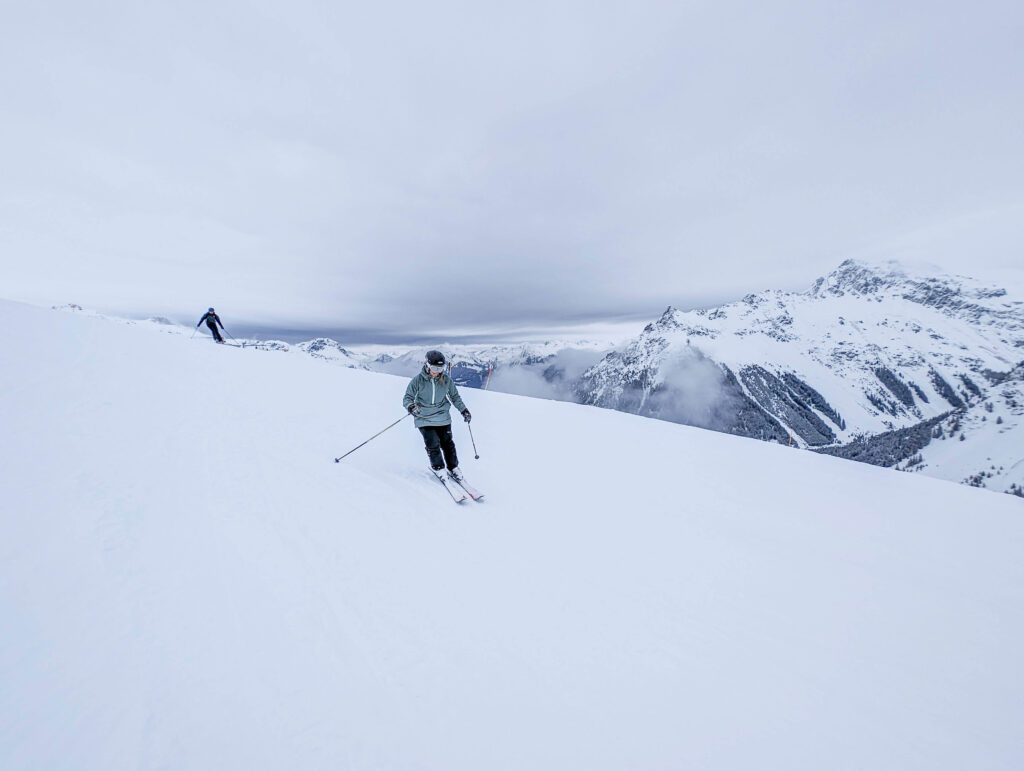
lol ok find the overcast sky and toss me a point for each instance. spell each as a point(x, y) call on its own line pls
point(468, 165)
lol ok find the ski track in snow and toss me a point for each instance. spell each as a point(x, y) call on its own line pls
point(188, 580)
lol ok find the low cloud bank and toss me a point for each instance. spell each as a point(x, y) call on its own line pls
point(551, 379)
point(693, 390)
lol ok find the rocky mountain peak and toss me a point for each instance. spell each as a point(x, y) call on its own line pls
point(859, 278)
point(668, 320)
point(959, 296)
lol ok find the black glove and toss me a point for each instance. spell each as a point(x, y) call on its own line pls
point(466, 415)
point(415, 410)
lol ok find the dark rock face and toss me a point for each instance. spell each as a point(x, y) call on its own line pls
point(850, 277)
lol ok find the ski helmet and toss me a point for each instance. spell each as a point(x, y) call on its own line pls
point(435, 360)
point(210, 311)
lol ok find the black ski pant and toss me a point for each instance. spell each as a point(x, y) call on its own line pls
point(216, 334)
point(438, 440)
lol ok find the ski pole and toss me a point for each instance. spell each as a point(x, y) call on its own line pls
point(475, 453)
point(338, 460)
point(193, 333)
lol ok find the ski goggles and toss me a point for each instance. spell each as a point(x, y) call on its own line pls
point(437, 369)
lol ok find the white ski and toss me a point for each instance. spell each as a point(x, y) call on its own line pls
point(457, 495)
point(471, 491)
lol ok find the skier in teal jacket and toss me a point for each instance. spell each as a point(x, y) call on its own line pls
point(429, 398)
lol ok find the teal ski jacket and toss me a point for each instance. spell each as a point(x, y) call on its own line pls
point(435, 395)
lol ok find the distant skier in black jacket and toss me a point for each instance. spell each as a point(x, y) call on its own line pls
point(212, 320)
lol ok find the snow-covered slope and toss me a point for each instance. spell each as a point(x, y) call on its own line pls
point(867, 350)
point(188, 581)
point(984, 442)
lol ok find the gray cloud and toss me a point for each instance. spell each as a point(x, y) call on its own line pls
point(451, 165)
point(553, 379)
point(693, 391)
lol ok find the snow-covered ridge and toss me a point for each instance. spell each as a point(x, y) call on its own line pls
point(546, 368)
point(867, 350)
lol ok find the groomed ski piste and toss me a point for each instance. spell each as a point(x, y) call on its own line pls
point(188, 581)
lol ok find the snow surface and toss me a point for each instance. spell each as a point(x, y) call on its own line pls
point(188, 581)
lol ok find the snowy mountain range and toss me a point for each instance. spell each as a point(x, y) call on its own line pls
point(878, 363)
point(188, 580)
point(874, 363)
point(547, 368)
